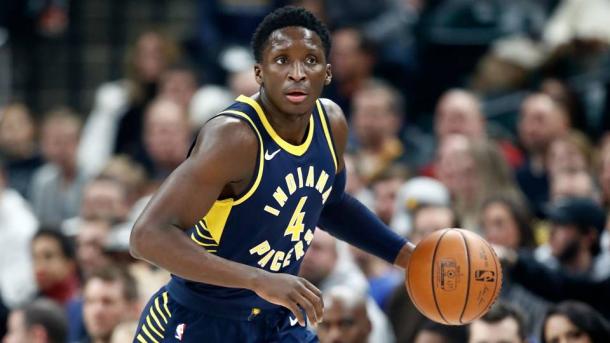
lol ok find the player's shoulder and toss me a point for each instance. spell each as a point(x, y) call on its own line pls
point(227, 134)
point(336, 118)
point(333, 111)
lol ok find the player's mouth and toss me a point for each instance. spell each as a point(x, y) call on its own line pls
point(296, 96)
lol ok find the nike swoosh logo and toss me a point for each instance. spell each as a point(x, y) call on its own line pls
point(293, 321)
point(272, 155)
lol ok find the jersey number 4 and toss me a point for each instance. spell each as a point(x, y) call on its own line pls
point(296, 225)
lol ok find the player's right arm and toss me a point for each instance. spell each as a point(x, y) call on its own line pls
point(221, 164)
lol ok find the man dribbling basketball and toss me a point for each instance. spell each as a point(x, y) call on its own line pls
point(234, 220)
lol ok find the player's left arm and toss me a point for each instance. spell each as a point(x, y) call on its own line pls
point(349, 220)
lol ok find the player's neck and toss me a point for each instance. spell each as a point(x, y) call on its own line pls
point(291, 127)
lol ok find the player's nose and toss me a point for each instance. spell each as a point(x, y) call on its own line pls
point(297, 72)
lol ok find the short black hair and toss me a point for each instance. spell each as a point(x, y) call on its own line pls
point(65, 244)
point(50, 316)
point(449, 333)
point(584, 317)
point(501, 311)
point(285, 17)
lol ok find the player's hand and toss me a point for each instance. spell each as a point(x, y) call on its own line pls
point(402, 260)
point(292, 292)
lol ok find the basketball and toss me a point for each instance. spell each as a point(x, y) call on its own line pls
point(453, 276)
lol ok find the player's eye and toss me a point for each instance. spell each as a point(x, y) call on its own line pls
point(281, 60)
point(311, 60)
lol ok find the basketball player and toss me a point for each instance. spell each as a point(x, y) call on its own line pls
point(233, 221)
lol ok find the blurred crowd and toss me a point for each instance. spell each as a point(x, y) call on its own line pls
point(485, 115)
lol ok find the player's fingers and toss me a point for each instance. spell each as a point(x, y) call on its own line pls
point(316, 302)
point(294, 308)
point(312, 288)
point(308, 307)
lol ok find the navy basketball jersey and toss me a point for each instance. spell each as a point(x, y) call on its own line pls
point(271, 224)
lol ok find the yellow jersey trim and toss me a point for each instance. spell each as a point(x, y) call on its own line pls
point(216, 219)
point(297, 150)
point(261, 161)
point(327, 134)
point(213, 223)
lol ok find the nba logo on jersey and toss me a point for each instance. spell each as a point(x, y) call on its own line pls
point(180, 331)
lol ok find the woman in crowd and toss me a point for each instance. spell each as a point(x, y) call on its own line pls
point(572, 321)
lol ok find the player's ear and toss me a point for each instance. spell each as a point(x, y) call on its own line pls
point(258, 74)
point(329, 75)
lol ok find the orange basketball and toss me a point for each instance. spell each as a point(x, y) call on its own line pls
point(453, 276)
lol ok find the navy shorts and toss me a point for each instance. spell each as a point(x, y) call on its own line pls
point(165, 320)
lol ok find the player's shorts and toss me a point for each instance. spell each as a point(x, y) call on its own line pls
point(164, 320)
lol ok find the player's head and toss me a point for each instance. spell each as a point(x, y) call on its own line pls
point(285, 17)
point(503, 323)
point(291, 47)
point(345, 317)
point(41, 321)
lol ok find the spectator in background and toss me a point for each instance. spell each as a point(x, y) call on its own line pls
point(416, 192)
point(572, 321)
point(17, 227)
point(326, 266)
point(166, 138)
point(91, 238)
point(57, 185)
point(506, 222)
point(571, 152)
point(178, 83)
point(55, 266)
point(355, 185)
point(130, 175)
point(353, 59)
point(576, 227)
point(554, 285)
point(345, 317)
point(603, 171)
point(431, 332)
point(115, 122)
point(459, 111)
point(426, 218)
point(473, 170)
point(111, 298)
point(41, 321)
point(124, 332)
point(541, 121)
point(222, 25)
point(213, 99)
point(382, 277)
point(502, 324)
point(571, 184)
point(19, 146)
point(385, 188)
point(376, 118)
point(430, 218)
point(103, 199)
